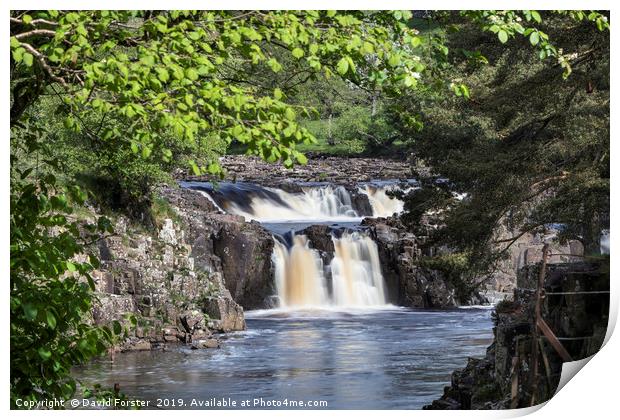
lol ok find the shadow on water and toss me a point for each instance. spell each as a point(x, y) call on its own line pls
point(393, 358)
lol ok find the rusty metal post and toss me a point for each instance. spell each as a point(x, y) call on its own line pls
point(537, 311)
point(546, 363)
point(514, 384)
point(553, 340)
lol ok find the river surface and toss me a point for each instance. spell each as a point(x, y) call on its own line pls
point(392, 358)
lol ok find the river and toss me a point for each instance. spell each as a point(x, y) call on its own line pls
point(390, 358)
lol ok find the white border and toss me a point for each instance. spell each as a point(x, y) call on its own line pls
point(593, 394)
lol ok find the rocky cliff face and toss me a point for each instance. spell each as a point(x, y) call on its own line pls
point(186, 281)
point(239, 250)
point(504, 377)
point(155, 279)
point(409, 284)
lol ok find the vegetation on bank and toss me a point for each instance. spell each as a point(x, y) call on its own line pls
point(529, 149)
point(105, 105)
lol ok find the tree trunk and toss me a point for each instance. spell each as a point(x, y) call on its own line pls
point(330, 139)
point(591, 236)
point(373, 111)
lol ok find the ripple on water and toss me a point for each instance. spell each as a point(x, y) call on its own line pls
point(388, 358)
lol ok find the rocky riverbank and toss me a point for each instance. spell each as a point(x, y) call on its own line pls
point(576, 308)
point(192, 279)
point(187, 282)
point(336, 170)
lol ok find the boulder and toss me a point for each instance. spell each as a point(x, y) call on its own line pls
point(140, 345)
point(225, 314)
point(360, 202)
point(210, 343)
point(320, 237)
point(245, 252)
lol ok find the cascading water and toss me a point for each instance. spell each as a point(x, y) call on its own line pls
point(356, 278)
point(356, 272)
point(382, 204)
point(299, 274)
point(353, 277)
point(310, 202)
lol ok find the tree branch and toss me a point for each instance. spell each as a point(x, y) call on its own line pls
point(41, 60)
point(35, 32)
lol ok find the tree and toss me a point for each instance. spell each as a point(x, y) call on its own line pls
point(160, 71)
point(527, 143)
point(50, 288)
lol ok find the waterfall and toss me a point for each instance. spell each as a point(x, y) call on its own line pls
point(272, 204)
point(299, 274)
point(356, 272)
point(307, 203)
point(356, 278)
point(382, 204)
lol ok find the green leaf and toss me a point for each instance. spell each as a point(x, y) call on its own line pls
point(297, 53)
point(343, 66)
point(394, 60)
point(195, 168)
point(116, 327)
point(534, 38)
point(191, 74)
point(503, 36)
point(28, 59)
point(214, 168)
point(465, 91)
point(27, 19)
point(51, 319)
point(301, 158)
point(289, 114)
point(44, 353)
point(30, 311)
point(18, 54)
point(162, 74)
point(410, 81)
point(274, 64)
point(277, 93)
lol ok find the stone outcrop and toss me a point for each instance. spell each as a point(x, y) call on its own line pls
point(227, 244)
point(504, 377)
point(245, 252)
point(188, 280)
point(154, 280)
point(320, 238)
point(409, 283)
point(226, 314)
